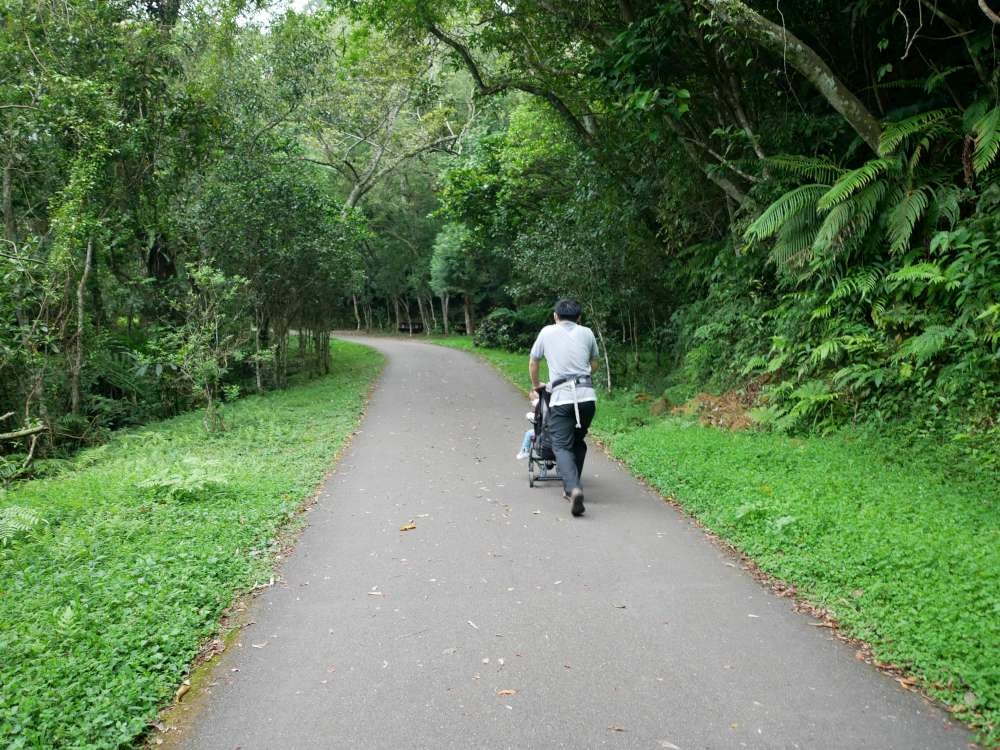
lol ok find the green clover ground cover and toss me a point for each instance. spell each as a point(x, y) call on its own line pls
point(144, 542)
point(869, 527)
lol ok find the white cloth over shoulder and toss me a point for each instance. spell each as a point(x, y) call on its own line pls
point(568, 349)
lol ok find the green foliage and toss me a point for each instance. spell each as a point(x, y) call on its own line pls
point(512, 330)
point(146, 541)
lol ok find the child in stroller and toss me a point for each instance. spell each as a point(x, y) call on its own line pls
point(537, 445)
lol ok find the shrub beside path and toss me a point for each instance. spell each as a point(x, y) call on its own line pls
point(496, 620)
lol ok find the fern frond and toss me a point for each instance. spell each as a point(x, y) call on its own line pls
point(896, 134)
point(903, 219)
point(930, 273)
point(850, 220)
point(834, 227)
point(821, 313)
point(793, 248)
point(804, 167)
point(14, 520)
point(944, 205)
point(987, 131)
point(861, 284)
point(924, 346)
point(854, 181)
point(788, 205)
point(755, 363)
point(830, 349)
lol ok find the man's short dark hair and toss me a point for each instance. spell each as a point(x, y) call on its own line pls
point(568, 309)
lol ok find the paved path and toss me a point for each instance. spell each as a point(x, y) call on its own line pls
point(622, 629)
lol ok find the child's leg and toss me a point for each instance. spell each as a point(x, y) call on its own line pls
point(529, 436)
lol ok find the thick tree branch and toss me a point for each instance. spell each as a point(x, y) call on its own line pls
point(486, 89)
point(726, 185)
point(804, 59)
point(27, 432)
point(989, 12)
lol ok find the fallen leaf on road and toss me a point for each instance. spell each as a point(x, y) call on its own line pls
point(423, 515)
point(756, 617)
point(259, 645)
point(507, 691)
point(473, 624)
point(375, 593)
point(618, 606)
point(617, 728)
point(331, 668)
point(668, 745)
point(182, 690)
point(409, 527)
point(449, 651)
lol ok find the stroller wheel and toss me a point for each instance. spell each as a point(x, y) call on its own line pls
point(531, 472)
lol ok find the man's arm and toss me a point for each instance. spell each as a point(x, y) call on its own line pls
point(593, 366)
point(533, 372)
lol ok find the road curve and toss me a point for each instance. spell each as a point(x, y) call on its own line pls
point(502, 622)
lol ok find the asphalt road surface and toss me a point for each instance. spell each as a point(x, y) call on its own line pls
point(502, 622)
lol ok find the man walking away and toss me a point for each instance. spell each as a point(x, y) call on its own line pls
point(571, 353)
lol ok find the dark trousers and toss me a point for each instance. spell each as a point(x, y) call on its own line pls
point(567, 440)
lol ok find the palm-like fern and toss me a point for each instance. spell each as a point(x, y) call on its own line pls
point(804, 167)
point(927, 125)
point(894, 195)
point(987, 132)
point(856, 180)
point(903, 218)
point(786, 207)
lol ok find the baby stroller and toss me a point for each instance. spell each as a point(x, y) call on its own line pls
point(541, 459)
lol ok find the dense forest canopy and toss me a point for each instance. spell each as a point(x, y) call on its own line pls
point(799, 200)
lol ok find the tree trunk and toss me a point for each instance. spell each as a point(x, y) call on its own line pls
point(281, 356)
point(444, 313)
point(467, 305)
point(423, 316)
point(325, 360)
point(395, 304)
point(430, 306)
point(804, 59)
point(256, 362)
point(76, 366)
point(354, 299)
point(409, 323)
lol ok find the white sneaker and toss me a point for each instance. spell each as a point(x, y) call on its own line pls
point(522, 455)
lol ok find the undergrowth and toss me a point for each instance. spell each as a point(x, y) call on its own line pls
point(140, 546)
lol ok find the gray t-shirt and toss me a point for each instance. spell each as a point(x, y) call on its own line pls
point(568, 349)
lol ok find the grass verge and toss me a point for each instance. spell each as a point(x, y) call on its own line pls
point(143, 543)
point(862, 525)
